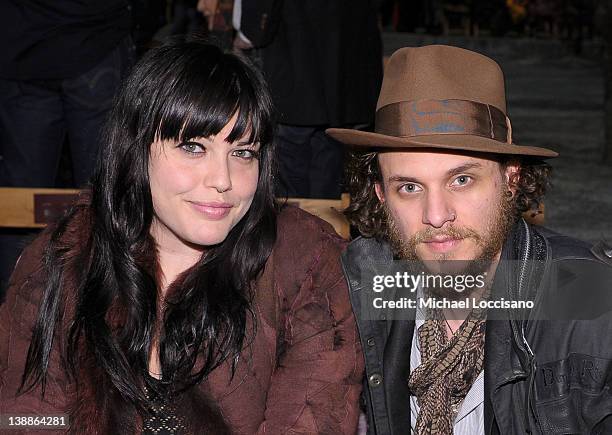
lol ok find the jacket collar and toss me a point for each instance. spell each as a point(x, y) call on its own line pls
point(396, 370)
point(369, 257)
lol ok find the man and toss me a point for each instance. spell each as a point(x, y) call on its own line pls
point(322, 60)
point(440, 180)
point(61, 64)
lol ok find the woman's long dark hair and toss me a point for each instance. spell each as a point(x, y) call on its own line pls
point(178, 91)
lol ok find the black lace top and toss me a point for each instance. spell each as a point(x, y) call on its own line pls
point(163, 418)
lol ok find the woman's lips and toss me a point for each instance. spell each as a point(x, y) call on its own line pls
point(212, 210)
point(442, 244)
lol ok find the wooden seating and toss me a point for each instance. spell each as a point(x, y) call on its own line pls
point(33, 207)
point(36, 207)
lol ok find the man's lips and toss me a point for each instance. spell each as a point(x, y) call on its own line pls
point(212, 210)
point(442, 244)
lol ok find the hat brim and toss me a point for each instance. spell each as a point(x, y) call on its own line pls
point(445, 141)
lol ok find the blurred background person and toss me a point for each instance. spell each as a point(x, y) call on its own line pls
point(323, 61)
point(61, 64)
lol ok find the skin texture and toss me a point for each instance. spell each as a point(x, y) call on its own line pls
point(444, 206)
point(190, 180)
point(446, 203)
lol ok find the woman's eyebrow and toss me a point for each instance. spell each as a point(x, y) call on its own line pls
point(196, 139)
point(247, 144)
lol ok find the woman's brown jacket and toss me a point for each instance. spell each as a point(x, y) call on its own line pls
point(300, 375)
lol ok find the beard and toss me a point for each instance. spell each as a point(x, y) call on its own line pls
point(489, 243)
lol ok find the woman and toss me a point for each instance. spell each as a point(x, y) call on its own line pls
point(177, 292)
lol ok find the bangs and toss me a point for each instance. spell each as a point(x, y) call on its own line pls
point(201, 93)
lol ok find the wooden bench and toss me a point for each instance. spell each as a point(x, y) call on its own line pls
point(36, 207)
point(33, 207)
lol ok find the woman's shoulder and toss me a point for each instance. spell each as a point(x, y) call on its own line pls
point(29, 273)
point(302, 230)
point(30, 264)
point(306, 248)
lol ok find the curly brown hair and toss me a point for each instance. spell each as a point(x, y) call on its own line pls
point(367, 213)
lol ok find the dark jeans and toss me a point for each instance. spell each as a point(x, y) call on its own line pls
point(310, 163)
point(35, 119)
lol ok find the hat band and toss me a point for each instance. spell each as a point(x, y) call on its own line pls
point(431, 117)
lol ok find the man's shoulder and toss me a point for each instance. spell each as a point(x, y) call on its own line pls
point(566, 248)
point(368, 247)
point(581, 280)
point(366, 255)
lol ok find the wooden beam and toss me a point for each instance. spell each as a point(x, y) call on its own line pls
point(33, 207)
point(36, 207)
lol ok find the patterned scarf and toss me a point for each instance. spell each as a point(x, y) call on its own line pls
point(447, 371)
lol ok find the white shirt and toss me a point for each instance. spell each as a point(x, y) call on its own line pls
point(470, 418)
point(236, 19)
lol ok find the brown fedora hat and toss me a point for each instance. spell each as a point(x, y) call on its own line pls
point(441, 97)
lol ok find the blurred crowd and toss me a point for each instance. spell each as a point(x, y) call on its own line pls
point(565, 19)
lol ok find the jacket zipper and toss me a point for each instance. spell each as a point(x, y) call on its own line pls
point(521, 281)
point(532, 362)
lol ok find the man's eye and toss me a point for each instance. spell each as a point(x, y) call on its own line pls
point(462, 180)
point(191, 147)
point(410, 188)
point(245, 154)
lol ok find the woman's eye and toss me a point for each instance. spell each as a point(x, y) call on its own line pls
point(410, 188)
point(462, 180)
point(191, 147)
point(245, 154)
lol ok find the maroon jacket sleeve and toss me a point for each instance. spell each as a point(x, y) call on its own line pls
point(315, 388)
point(17, 318)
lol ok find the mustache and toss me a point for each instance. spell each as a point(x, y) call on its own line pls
point(452, 232)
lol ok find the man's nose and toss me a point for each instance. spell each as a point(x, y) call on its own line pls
point(438, 209)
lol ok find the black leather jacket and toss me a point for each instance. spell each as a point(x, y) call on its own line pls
point(541, 376)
